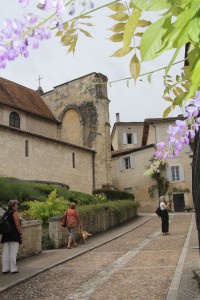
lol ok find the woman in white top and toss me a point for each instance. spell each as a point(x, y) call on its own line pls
point(164, 216)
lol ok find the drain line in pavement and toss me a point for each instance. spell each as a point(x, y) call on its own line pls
point(85, 291)
point(173, 289)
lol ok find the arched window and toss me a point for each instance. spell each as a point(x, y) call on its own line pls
point(14, 120)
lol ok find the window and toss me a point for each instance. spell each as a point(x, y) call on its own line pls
point(26, 148)
point(175, 173)
point(73, 160)
point(130, 138)
point(127, 162)
point(14, 120)
point(129, 190)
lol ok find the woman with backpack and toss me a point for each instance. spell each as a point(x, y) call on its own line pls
point(73, 221)
point(11, 238)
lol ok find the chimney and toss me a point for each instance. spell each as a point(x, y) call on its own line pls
point(117, 117)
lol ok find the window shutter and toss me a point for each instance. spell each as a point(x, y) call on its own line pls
point(132, 162)
point(169, 174)
point(121, 167)
point(124, 138)
point(182, 175)
point(187, 148)
point(135, 138)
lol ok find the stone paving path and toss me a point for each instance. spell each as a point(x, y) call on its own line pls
point(138, 265)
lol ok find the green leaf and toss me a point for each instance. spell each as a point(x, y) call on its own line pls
point(140, 34)
point(119, 16)
point(73, 44)
point(172, 60)
point(186, 85)
point(122, 52)
point(195, 78)
point(149, 77)
point(65, 25)
point(135, 67)
point(117, 27)
point(143, 23)
point(85, 32)
point(151, 41)
point(130, 27)
point(118, 37)
point(85, 17)
point(87, 24)
point(167, 111)
point(153, 5)
point(59, 33)
point(179, 100)
point(119, 7)
point(168, 99)
point(194, 30)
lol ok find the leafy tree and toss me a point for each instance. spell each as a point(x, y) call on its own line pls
point(52, 207)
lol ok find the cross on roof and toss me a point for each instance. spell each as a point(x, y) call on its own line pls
point(39, 79)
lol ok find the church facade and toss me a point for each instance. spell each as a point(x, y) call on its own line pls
point(61, 136)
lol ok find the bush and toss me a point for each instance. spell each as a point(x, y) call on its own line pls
point(52, 207)
point(27, 191)
point(119, 209)
point(15, 189)
point(114, 195)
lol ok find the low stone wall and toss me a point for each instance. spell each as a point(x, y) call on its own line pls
point(32, 239)
point(91, 223)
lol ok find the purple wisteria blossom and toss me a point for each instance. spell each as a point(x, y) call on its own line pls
point(18, 35)
point(14, 40)
point(23, 3)
point(182, 132)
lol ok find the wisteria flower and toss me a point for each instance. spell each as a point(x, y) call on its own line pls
point(23, 3)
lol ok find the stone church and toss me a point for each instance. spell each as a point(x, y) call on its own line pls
point(61, 136)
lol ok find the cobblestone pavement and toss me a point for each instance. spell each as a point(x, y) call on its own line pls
point(137, 265)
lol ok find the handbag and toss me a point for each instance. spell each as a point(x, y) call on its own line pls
point(158, 211)
point(63, 221)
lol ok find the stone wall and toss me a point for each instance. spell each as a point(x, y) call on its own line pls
point(30, 122)
point(91, 223)
point(32, 239)
point(48, 160)
point(82, 107)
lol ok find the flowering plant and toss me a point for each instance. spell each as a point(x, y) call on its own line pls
point(182, 132)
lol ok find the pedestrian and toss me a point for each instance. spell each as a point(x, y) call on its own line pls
point(73, 221)
point(12, 239)
point(164, 215)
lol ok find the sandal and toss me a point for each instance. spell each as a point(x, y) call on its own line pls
point(69, 247)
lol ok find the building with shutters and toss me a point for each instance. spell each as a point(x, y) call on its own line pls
point(63, 136)
point(133, 145)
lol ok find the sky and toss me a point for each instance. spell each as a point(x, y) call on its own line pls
point(52, 62)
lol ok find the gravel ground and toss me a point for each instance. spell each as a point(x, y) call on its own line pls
point(138, 265)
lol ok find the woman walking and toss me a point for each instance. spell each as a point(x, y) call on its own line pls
point(164, 215)
point(73, 221)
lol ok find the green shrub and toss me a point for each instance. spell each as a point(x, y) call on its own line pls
point(119, 209)
point(114, 195)
point(28, 191)
point(101, 198)
point(15, 189)
point(52, 207)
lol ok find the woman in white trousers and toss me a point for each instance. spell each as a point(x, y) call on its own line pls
point(11, 239)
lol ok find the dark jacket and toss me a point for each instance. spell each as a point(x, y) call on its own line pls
point(14, 236)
